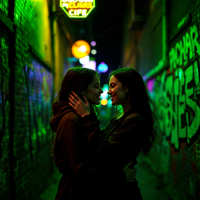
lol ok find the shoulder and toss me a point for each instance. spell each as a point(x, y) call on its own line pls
point(135, 117)
point(71, 116)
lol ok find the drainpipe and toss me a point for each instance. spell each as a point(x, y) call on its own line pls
point(164, 27)
point(53, 34)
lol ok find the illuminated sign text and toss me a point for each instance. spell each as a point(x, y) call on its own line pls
point(77, 8)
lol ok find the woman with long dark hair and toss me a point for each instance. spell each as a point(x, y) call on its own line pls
point(83, 176)
point(126, 135)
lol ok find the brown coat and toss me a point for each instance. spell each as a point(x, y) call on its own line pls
point(91, 160)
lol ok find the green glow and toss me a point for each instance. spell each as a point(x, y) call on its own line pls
point(183, 21)
point(193, 127)
point(164, 61)
point(109, 104)
point(105, 86)
point(173, 96)
point(179, 55)
point(164, 33)
point(155, 70)
point(64, 4)
point(33, 18)
point(5, 131)
point(33, 140)
point(184, 49)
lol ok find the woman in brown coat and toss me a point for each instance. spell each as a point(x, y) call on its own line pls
point(84, 176)
point(125, 136)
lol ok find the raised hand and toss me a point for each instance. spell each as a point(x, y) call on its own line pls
point(78, 105)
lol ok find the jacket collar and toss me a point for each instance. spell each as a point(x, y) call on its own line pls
point(127, 113)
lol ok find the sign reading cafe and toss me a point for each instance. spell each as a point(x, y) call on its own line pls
point(77, 8)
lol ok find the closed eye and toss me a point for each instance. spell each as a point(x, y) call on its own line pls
point(112, 86)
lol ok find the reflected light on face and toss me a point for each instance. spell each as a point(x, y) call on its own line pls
point(94, 91)
point(116, 91)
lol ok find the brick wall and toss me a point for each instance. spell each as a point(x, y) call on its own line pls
point(26, 85)
point(175, 88)
point(4, 112)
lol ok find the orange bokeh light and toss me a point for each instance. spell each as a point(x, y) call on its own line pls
point(80, 49)
point(104, 102)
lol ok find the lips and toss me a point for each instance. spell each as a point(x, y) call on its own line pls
point(112, 97)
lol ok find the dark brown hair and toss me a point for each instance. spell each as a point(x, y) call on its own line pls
point(139, 98)
point(76, 79)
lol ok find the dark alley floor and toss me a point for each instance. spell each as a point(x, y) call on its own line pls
point(146, 177)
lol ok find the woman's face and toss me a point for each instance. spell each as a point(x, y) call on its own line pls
point(117, 92)
point(94, 91)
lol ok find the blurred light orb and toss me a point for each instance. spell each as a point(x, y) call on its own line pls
point(80, 49)
point(90, 65)
point(103, 112)
point(93, 43)
point(103, 67)
point(105, 86)
point(104, 95)
point(94, 51)
point(84, 60)
point(104, 102)
point(109, 103)
point(71, 59)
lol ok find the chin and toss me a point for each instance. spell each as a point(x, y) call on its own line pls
point(115, 104)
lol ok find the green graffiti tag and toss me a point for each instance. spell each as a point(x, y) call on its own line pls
point(178, 105)
point(185, 49)
point(177, 94)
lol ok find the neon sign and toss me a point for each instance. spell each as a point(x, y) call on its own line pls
point(77, 8)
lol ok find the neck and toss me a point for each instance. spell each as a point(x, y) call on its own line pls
point(126, 107)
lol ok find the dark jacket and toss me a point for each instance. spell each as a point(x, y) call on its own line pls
point(91, 160)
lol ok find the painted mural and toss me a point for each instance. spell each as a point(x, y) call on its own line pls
point(176, 91)
point(37, 89)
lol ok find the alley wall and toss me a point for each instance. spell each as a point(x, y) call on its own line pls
point(27, 90)
point(166, 52)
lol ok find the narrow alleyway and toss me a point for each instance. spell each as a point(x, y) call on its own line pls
point(147, 182)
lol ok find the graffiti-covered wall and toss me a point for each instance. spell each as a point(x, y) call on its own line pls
point(176, 92)
point(168, 58)
point(35, 91)
point(31, 144)
point(26, 86)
